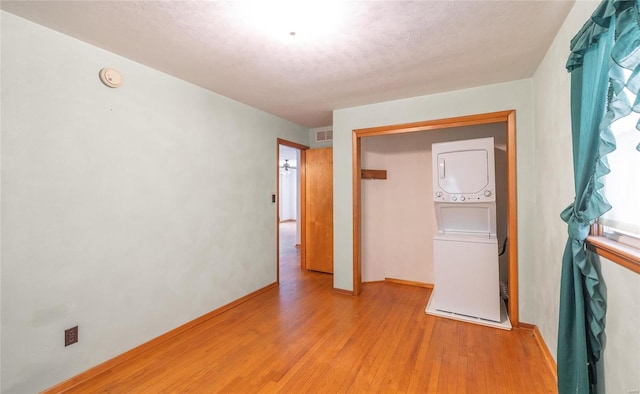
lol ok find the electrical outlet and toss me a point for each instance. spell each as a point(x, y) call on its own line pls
point(70, 336)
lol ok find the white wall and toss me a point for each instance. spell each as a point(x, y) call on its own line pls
point(289, 195)
point(512, 95)
point(398, 217)
point(554, 177)
point(120, 211)
point(397, 212)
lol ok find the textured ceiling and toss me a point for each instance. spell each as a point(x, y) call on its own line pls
point(378, 51)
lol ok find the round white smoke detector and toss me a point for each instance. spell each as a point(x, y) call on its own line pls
point(110, 77)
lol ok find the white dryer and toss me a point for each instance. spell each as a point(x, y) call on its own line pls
point(465, 262)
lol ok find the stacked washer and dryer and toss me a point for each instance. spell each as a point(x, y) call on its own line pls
point(465, 248)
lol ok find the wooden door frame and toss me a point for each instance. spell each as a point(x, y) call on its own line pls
point(301, 200)
point(507, 117)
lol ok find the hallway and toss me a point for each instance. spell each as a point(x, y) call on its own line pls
point(289, 253)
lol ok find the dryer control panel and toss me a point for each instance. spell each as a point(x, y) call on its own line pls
point(486, 196)
point(464, 171)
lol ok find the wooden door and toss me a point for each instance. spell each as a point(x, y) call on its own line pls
point(319, 210)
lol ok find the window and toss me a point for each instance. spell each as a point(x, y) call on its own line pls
point(617, 233)
point(622, 185)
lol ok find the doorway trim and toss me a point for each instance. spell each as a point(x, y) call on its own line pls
point(507, 117)
point(301, 200)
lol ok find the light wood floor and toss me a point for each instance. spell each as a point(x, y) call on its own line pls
point(302, 337)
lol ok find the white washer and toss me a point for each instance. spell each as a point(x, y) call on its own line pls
point(465, 256)
point(466, 272)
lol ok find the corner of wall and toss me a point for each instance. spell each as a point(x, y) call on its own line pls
point(553, 169)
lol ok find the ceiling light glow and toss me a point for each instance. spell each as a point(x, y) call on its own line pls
point(297, 20)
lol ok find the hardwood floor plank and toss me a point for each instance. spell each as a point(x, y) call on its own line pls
point(432, 386)
point(423, 366)
point(303, 337)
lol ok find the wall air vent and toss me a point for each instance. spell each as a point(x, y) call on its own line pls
point(324, 135)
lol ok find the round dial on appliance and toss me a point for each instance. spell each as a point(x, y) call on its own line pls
point(454, 198)
point(487, 193)
point(438, 194)
point(462, 198)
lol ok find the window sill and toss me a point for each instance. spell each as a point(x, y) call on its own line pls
point(626, 256)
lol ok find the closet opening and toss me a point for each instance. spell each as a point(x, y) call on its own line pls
point(453, 128)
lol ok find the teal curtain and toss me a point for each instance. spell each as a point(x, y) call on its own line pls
point(605, 46)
